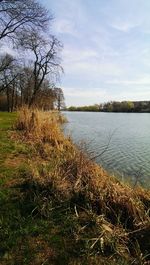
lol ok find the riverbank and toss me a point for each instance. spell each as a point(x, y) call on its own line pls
point(58, 207)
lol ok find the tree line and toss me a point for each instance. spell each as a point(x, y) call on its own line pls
point(30, 71)
point(116, 106)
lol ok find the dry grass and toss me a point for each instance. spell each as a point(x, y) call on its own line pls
point(120, 213)
point(41, 127)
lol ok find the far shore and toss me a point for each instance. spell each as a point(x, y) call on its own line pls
point(106, 111)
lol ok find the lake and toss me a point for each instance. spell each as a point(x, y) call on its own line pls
point(120, 142)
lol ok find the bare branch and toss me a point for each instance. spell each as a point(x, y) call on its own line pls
point(105, 147)
point(18, 15)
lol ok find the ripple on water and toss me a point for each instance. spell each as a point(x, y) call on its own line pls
point(128, 151)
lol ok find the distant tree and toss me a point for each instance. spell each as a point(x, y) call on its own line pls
point(8, 79)
point(6, 65)
point(26, 83)
point(72, 108)
point(108, 106)
point(59, 98)
point(5, 61)
point(3, 102)
point(127, 106)
point(95, 108)
point(45, 99)
point(115, 106)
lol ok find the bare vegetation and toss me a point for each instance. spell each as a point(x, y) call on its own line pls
point(111, 217)
point(29, 73)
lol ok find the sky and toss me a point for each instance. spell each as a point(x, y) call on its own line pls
point(106, 49)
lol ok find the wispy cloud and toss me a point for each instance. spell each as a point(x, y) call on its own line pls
point(7, 49)
point(79, 92)
point(106, 49)
point(143, 81)
point(94, 70)
point(125, 26)
point(64, 26)
point(75, 96)
point(88, 63)
point(73, 54)
point(80, 96)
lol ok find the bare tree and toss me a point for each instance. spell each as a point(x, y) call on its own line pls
point(46, 62)
point(46, 97)
point(20, 15)
point(22, 81)
point(26, 84)
point(9, 80)
point(5, 61)
point(6, 65)
point(59, 98)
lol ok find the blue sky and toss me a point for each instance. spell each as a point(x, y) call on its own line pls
point(106, 54)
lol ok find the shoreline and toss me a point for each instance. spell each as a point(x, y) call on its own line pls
point(60, 184)
point(106, 111)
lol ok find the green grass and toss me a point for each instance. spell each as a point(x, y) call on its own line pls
point(15, 222)
point(7, 146)
point(20, 228)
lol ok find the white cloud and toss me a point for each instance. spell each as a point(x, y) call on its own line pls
point(7, 49)
point(64, 26)
point(105, 44)
point(87, 62)
point(78, 92)
point(93, 70)
point(134, 95)
point(80, 96)
point(124, 26)
point(87, 96)
point(74, 54)
point(145, 80)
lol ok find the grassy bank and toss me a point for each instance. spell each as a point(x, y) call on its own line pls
point(57, 206)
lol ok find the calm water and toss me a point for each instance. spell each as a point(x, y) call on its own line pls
point(127, 136)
